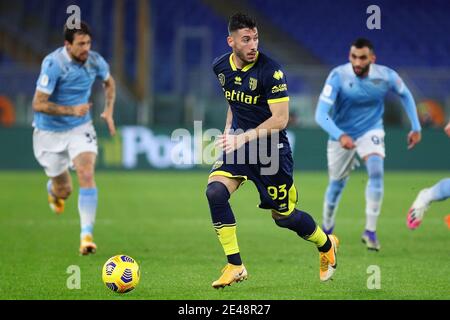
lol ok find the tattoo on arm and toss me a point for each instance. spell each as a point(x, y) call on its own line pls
point(41, 104)
point(110, 93)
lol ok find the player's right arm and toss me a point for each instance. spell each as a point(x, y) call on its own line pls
point(41, 104)
point(46, 83)
point(228, 121)
point(326, 101)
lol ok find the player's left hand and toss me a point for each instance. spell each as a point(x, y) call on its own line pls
point(414, 138)
point(107, 116)
point(230, 142)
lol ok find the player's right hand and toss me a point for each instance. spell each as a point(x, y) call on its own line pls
point(447, 129)
point(346, 142)
point(81, 110)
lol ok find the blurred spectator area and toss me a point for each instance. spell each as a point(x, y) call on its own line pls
point(160, 51)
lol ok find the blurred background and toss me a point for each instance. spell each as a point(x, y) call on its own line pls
point(160, 53)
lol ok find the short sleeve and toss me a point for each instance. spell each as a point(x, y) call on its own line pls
point(275, 85)
point(102, 68)
point(331, 88)
point(48, 78)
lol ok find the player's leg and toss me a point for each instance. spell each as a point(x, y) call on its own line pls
point(304, 225)
point(340, 164)
point(50, 151)
point(278, 193)
point(374, 192)
point(59, 189)
point(370, 147)
point(83, 152)
point(218, 192)
point(84, 165)
point(438, 192)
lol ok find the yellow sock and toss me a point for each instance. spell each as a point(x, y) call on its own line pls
point(318, 237)
point(227, 237)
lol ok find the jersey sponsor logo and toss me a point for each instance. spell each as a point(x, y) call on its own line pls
point(279, 88)
point(221, 77)
point(238, 80)
point(44, 80)
point(252, 83)
point(240, 96)
point(278, 75)
point(327, 90)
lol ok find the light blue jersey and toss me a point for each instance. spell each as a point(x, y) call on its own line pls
point(68, 83)
point(357, 104)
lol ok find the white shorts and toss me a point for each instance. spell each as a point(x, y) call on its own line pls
point(55, 151)
point(341, 161)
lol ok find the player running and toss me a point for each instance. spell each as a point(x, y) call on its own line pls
point(63, 132)
point(354, 93)
point(438, 192)
point(256, 90)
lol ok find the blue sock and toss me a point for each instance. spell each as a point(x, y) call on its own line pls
point(374, 190)
point(49, 187)
point(87, 207)
point(332, 197)
point(441, 190)
point(223, 220)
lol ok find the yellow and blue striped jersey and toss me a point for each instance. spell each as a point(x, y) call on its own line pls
point(250, 90)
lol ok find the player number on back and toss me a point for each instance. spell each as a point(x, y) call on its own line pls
point(277, 193)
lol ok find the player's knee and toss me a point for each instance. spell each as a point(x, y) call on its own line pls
point(286, 221)
point(62, 191)
point(445, 186)
point(375, 167)
point(86, 176)
point(335, 188)
point(217, 192)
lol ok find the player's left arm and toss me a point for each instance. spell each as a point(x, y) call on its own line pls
point(278, 121)
point(408, 103)
point(110, 97)
point(110, 92)
point(275, 89)
point(447, 129)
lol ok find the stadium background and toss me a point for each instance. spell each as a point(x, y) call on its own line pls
point(160, 53)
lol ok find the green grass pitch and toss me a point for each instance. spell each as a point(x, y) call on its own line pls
point(162, 220)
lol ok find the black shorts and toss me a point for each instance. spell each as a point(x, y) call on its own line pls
point(276, 191)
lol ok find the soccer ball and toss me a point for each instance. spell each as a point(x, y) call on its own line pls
point(121, 273)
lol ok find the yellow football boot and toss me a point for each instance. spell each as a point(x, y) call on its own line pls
point(56, 204)
point(87, 245)
point(328, 260)
point(230, 274)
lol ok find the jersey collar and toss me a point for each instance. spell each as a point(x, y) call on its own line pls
point(66, 54)
point(244, 69)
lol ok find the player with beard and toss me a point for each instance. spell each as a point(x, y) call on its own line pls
point(350, 109)
point(256, 90)
point(63, 134)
